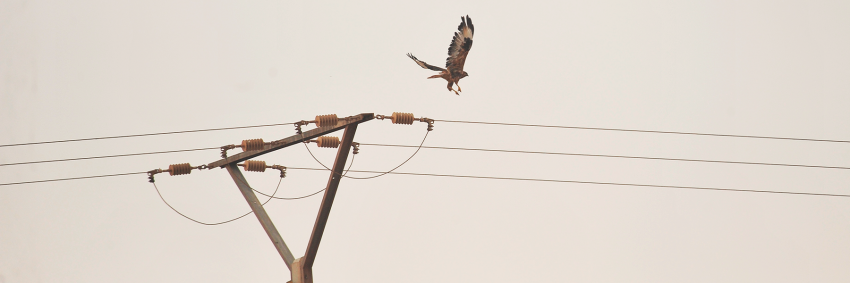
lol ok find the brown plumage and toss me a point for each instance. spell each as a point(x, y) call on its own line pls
point(458, 49)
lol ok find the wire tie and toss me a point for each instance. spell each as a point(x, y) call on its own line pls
point(356, 146)
point(299, 124)
point(429, 121)
point(153, 172)
point(282, 170)
point(225, 148)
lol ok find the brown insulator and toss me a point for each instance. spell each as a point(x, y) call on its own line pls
point(255, 166)
point(329, 142)
point(255, 144)
point(403, 118)
point(179, 169)
point(326, 120)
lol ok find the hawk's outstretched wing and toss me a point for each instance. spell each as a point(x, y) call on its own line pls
point(460, 45)
point(423, 64)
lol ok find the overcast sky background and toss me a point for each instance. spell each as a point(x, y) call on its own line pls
point(79, 69)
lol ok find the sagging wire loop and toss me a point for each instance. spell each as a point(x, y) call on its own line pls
point(396, 118)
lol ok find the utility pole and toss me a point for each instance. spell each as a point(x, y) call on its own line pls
point(301, 269)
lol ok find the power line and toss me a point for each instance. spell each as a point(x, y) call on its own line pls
point(613, 156)
point(585, 182)
point(464, 149)
point(74, 178)
point(215, 223)
point(108, 156)
point(375, 176)
point(272, 196)
point(293, 198)
point(310, 195)
point(489, 177)
point(644, 131)
point(143, 135)
point(447, 121)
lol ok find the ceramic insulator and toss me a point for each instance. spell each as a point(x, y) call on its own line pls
point(255, 165)
point(326, 120)
point(329, 142)
point(403, 118)
point(179, 169)
point(255, 144)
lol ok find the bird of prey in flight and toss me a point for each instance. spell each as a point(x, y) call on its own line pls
point(458, 49)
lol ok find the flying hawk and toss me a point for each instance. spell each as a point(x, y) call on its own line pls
point(458, 50)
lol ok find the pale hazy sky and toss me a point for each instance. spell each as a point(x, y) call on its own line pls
point(78, 69)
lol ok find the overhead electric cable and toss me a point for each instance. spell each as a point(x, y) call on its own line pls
point(447, 121)
point(613, 156)
point(216, 223)
point(143, 135)
point(584, 182)
point(381, 173)
point(465, 149)
point(108, 156)
point(494, 178)
point(74, 178)
point(645, 131)
point(301, 197)
point(310, 195)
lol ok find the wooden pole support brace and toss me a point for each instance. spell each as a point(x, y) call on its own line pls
point(261, 214)
point(306, 262)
